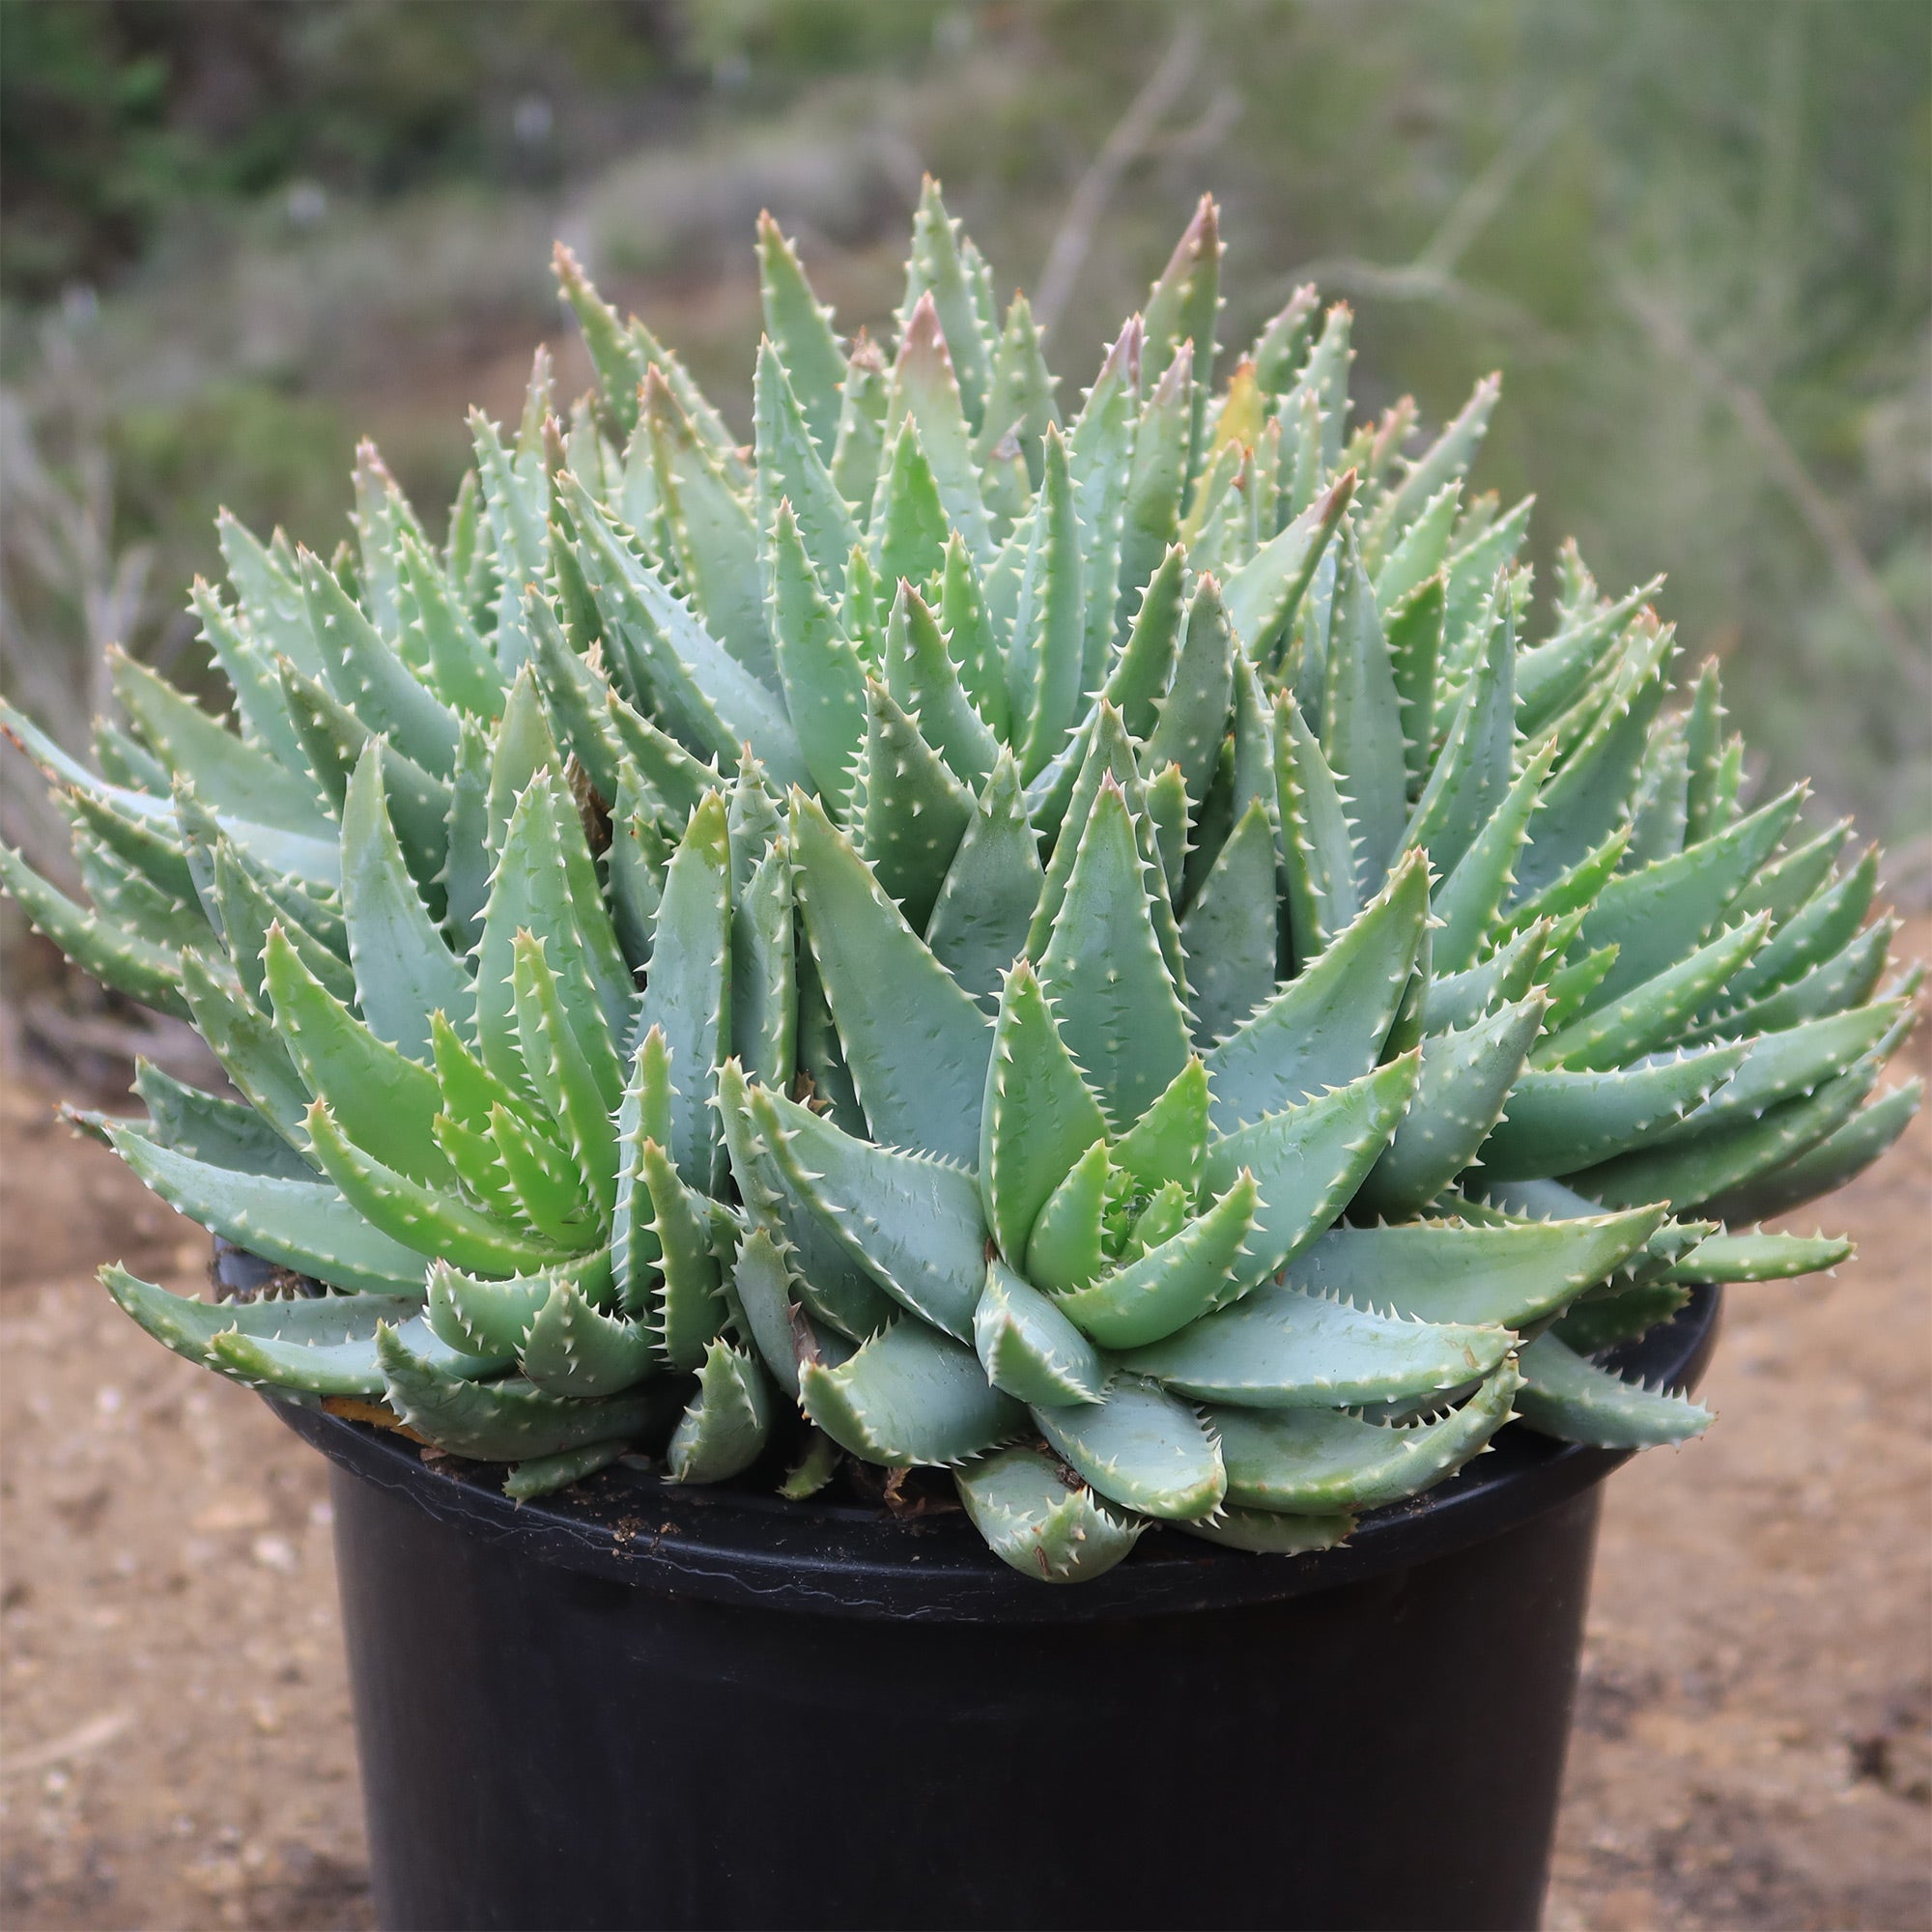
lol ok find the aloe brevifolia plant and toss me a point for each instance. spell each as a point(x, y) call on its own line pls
point(1084, 946)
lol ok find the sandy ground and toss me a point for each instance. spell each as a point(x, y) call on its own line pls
point(1752, 1747)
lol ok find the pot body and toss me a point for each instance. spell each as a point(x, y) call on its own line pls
point(644, 1707)
point(546, 1749)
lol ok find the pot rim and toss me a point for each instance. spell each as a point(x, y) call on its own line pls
point(739, 1547)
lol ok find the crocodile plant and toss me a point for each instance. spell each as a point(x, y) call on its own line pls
point(1078, 944)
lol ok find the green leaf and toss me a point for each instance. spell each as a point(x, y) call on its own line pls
point(1456, 998)
point(1778, 1067)
point(909, 1395)
point(1034, 1516)
point(1318, 846)
point(493, 1317)
point(251, 1053)
point(574, 1348)
point(725, 1429)
point(504, 1421)
point(336, 1368)
point(1361, 724)
point(908, 528)
point(942, 265)
point(712, 531)
point(1819, 931)
point(1046, 664)
point(307, 1227)
point(1066, 1249)
point(1656, 915)
point(1038, 1116)
point(204, 1128)
point(1264, 1533)
point(1150, 514)
point(1850, 976)
point(862, 411)
point(1263, 595)
point(687, 990)
point(1020, 393)
point(542, 1475)
point(1567, 1396)
point(1279, 1348)
point(125, 961)
point(1309, 1160)
point(423, 1217)
point(1168, 1143)
point(1555, 1121)
point(189, 1328)
point(1466, 902)
point(384, 1101)
point(1466, 1080)
point(1471, 776)
point(800, 325)
point(1587, 796)
point(1304, 1460)
point(1652, 1014)
point(1759, 1256)
point(1827, 1164)
point(765, 977)
point(910, 811)
point(979, 922)
point(1716, 1166)
point(923, 678)
point(1328, 1026)
point(913, 1224)
point(1183, 304)
point(916, 1043)
point(833, 1286)
point(1512, 1273)
point(404, 971)
point(823, 675)
point(1028, 1346)
point(333, 739)
point(1414, 627)
point(236, 779)
point(926, 391)
point(970, 642)
point(1120, 1013)
point(1193, 716)
point(576, 1070)
point(707, 695)
point(691, 1308)
point(1141, 1448)
point(369, 678)
point(791, 472)
point(1229, 934)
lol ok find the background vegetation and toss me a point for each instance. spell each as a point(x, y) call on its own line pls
point(236, 233)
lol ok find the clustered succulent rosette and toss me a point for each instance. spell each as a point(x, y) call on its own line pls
point(1092, 954)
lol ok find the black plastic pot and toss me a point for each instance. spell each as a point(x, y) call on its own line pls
point(636, 1705)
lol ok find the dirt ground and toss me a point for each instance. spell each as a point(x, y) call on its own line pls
point(1754, 1740)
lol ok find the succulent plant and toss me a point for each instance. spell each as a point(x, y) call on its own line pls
point(1092, 954)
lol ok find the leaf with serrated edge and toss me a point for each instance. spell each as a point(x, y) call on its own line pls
point(1565, 1396)
point(916, 1041)
point(1034, 1517)
point(909, 1395)
point(1278, 1349)
point(1029, 1347)
point(1512, 1273)
point(1305, 1461)
point(1142, 1448)
point(913, 1224)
